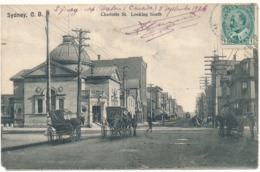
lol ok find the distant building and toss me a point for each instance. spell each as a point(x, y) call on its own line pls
point(156, 96)
point(165, 102)
point(180, 112)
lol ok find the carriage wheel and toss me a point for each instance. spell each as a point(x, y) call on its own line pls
point(50, 135)
point(78, 132)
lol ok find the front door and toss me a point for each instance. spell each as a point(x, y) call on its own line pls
point(96, 113)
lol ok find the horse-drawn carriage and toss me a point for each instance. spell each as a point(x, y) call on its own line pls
point(61, 124)
point(119, 122)
point(231, 122)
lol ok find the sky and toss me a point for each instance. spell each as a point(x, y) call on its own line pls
point(174, 53)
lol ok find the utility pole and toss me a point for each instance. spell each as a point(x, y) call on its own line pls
point(124, 87)
point(214, 67)
point(204, 85)
point(80, 37)
point(48, 96)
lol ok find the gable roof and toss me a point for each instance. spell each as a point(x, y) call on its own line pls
point(19, 75)
point(40, 71)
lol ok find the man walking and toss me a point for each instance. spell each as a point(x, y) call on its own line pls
point(134, 124)
point(252, 124)
point(149, 118)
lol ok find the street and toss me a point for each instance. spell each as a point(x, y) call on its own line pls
point(166, 147)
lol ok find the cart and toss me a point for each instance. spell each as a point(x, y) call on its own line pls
point(119, 122)
point(61, 124)
point(232, 122)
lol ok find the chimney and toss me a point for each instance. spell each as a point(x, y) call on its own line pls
point(98, 56)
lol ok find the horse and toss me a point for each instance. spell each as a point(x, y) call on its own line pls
point(221, 120)
point(127, 122)
point(196, 121)
point(232, 119)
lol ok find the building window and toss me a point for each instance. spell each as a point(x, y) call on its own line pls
point(83, 84)
point(19, 110)
point(61, 104)
point(245, 66)
point(53, 100)
point(244, 86)
point(40, 105)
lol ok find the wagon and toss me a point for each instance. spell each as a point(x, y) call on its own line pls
point(61, 125)
point(118, 123)
point(232, 121)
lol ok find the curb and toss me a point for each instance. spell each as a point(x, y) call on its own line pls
point(23, 146)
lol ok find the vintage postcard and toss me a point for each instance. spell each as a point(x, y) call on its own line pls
point(129, 86)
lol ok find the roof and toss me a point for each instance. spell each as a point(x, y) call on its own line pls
point(67, 52)
point(27, 72)
point(101, 71)
point(19, 75)
point(103, 63)
point(108, 71)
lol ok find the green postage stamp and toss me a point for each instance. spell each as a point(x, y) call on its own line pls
point(238, 24)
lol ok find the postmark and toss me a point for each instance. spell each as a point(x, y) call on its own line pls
point(237, 24)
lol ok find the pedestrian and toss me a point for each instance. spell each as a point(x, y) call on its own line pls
point(163, 118)
point(134, 124)
point(104, 127)
point(252, 124)
point(149, 123)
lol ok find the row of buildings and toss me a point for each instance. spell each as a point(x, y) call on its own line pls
point(236, 86)
point(160, 102)
point(116, 82)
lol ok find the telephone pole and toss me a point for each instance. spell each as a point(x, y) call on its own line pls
point(214, 68)
point(124, 86)
point(80, 38)
point(48, 71)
